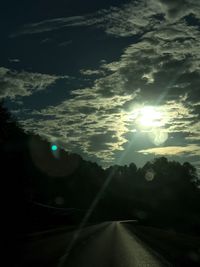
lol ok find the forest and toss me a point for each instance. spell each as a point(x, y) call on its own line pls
point(42, 188)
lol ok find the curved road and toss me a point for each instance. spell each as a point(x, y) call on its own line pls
point(108, 244)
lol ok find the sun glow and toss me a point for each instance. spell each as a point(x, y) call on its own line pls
point(151, 120)
point(149, 117)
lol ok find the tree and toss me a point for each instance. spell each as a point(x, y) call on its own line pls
point(191, 172)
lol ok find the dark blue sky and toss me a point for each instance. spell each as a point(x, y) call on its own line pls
point(115, 81)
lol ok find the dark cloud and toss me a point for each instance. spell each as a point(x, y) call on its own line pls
point(49, 25)
point(113, 20)
point(14, 60)
point(98, 142)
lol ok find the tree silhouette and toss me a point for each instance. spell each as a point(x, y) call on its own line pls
point(162, 193)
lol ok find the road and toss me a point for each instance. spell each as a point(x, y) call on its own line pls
point(108, 244)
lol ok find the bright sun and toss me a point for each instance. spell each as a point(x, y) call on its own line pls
point(151, 120)
point(149, 117)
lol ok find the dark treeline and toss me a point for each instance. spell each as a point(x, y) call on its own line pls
point(43, 188)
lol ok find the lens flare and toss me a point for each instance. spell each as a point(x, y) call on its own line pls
point(158, 136)
point(54, 147)
point(150, 175)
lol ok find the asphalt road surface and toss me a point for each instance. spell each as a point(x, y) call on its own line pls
point(109, 244)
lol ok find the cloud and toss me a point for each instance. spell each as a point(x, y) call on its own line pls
point(13, 83)
point(88, 122)
point(129, 19)
point(14, 60)
point(159, 68)
point(194, 132)
point(50, 25)
point(133, 18)
point(189, 150)
point(89, 72)
point(176, 9)
point(95, 122)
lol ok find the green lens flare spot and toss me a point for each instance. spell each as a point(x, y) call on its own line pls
point(54, 147)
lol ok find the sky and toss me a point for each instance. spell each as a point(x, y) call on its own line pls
point(114, 81)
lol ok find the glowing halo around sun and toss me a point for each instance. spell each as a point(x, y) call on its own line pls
point(150, 119)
